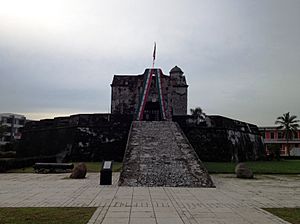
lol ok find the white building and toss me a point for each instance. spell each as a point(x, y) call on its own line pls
point(13, 122)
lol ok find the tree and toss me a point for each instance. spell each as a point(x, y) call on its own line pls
point(198, 114)
point(274, 151)
point(289, 125)
point(2, 130)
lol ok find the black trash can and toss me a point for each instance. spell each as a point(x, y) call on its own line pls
point(106, 173)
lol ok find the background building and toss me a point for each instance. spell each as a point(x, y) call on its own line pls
point(271, 135)
point(13, 123)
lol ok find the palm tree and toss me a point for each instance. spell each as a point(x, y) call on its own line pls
point(198, 113)
point(289, 125)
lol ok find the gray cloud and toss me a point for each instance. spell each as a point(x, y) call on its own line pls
point(241, 58)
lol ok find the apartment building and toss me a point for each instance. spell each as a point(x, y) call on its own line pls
point(12, 123)
point(271, 135)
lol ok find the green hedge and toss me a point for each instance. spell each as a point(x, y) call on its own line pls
point(8, 164)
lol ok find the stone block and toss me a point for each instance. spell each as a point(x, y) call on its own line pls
point(243, 171)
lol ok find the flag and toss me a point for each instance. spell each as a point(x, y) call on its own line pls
point(154, 51)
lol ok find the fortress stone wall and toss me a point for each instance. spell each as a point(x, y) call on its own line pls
point(221, 139)
point(104, 136)
point(81, 137)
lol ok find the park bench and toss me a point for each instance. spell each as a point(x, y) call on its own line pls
point(52, 167)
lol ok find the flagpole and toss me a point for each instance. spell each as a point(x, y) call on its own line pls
point(154, 54)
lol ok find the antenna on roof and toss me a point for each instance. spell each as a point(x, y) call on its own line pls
point(154, 54)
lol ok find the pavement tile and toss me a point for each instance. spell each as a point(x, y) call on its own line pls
point(233, 201)
point(117, 214)
point(110, 220)
point(169, 220)
point(136, 220)
point(204, 215)
point(170, 214)
point(142, 214)
point(119, 209)
point(142, 209)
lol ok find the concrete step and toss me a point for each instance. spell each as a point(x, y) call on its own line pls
point(158, 154)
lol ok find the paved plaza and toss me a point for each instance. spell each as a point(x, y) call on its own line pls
point(232, 201)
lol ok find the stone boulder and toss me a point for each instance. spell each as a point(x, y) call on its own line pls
point(243, 171)
point(79, 171)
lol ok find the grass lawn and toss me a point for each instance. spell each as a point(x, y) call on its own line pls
point(21, 170)
point(291, 215)
point(258, 167)
point(45, 215)
point(96, 166)
point(91, 167)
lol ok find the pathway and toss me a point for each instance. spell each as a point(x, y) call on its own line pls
point(232, 201)
point(158, 154)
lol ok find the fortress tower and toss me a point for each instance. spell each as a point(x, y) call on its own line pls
point(151, 95)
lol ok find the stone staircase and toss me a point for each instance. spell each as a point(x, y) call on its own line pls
point(159, 154)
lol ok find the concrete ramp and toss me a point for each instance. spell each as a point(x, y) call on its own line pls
point(159, 154)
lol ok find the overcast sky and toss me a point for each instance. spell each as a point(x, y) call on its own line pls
point(241, 58)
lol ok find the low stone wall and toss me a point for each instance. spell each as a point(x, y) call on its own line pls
point(222, 139)
point(94, 137)
point(83, 137)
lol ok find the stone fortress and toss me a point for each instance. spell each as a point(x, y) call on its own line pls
point(151, 96)
point(157, 152)
point(126, 92)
